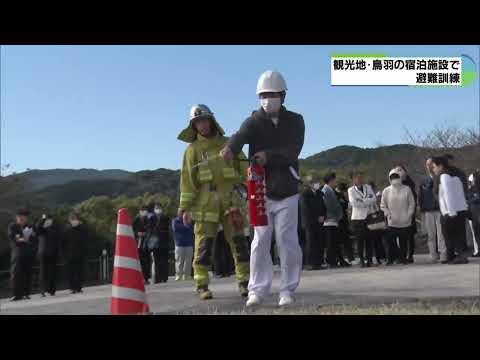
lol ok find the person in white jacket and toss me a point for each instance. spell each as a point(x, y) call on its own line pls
point(453, 207)
point(398, 205)
point(362, 199)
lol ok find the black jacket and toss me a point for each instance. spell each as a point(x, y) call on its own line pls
point(74, 242)
point(282, 145)
point(426, 198)
point(17, 248)
point(48, 239)
point(312, 207)
point(161, 228)
point(411, 184)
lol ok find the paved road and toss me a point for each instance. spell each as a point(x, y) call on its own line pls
point(373, 286)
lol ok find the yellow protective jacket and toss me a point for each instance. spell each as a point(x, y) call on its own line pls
point(208, 189)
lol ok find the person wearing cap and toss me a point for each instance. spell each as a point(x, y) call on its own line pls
point(401, 169)
point(212, 193)
point(398, 205)
point(21, 238)
point(275, 137)
point(473, 198)
point(48, 236)
point(313, 215)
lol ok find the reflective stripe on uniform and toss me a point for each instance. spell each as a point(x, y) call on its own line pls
point(228, 173)
point(197, 216)
point(205, 175)
point(211, 217)
point(186, 197)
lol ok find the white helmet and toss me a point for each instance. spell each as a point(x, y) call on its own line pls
point(271, 81)
point(200, 110)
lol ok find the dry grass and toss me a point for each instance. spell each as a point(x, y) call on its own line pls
point(418, 308)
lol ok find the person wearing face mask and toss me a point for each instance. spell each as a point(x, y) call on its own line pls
point(21, 238)
point(473, 198)
point(332, 220)
point(430, 210)
point(142, 229)
point(75, 251)
point(398, 205)
point(313, 215)
point(363, 202)
point(48, 249)
point(453, 207)
point(407, 180)
point(343, 225)
point(159, 244)
point(275, 137)
point(212, 193)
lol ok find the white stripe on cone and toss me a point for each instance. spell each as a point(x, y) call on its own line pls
point(126, 262)
point(125, 230)
point(128, 294)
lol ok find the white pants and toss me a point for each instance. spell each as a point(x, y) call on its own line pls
point(436, 241)
point(183, 260)
point(283, 219)
point(475, 246)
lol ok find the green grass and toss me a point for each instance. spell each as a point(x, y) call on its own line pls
point(418, 308)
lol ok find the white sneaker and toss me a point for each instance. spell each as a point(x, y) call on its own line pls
point(253, 300)
point(186, 278)
point(286, 300)
point(178, 278)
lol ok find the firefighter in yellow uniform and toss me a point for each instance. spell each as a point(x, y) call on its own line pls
point(212, 193)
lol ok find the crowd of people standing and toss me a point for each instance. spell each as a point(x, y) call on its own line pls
point(47, 240)
point(384, 223)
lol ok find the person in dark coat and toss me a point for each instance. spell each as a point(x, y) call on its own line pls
point(21, 238)
point(159, 244)
point(222, 257)
point(378, 236)
point(407, 180)
point(75, 251)
point(313, 214)
point(48, 236)
point(343, 225)
point(142, 226)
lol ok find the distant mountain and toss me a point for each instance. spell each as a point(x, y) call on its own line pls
point(68, 187)
point(346, 156)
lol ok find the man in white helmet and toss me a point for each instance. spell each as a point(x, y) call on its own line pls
point(275, 137)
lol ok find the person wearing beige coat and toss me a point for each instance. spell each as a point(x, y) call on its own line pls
point(398, 205)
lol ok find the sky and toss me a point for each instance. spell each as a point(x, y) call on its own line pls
point(122, 107)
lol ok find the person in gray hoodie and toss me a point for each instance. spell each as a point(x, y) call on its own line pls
point(332, 220)
point(398, 205)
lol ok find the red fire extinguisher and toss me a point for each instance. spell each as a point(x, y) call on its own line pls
point(256, 195)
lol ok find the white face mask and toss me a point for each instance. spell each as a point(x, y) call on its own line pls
point(75, 223)
point(143, 213)
point(402, 173)
point(316, 186)
point(271, 105)
point(396, 182)
point(158, 211)
point(47, 223)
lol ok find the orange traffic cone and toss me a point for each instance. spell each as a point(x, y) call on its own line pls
point(128, 289)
